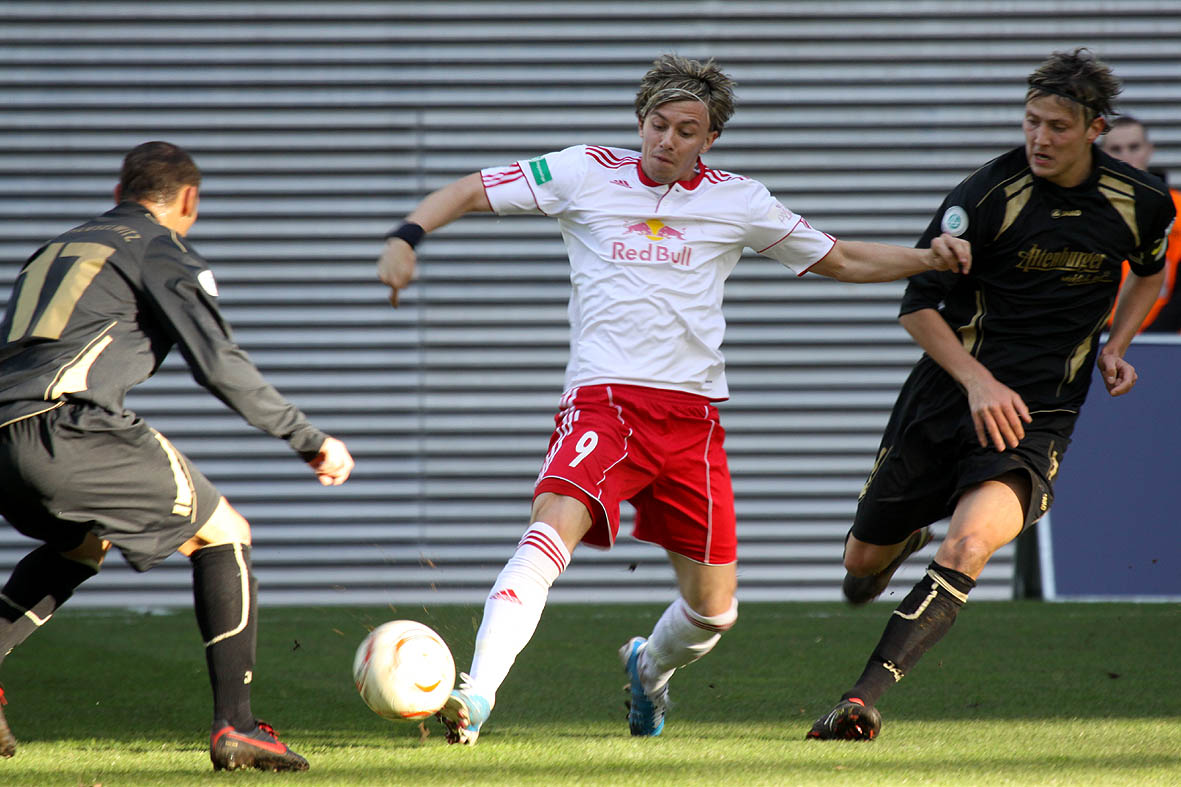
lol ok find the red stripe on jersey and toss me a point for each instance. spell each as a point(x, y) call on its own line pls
point(500, 181)
point(508, 175)
point(544, 545)
point(613, 165)
point(504, 175)
point(491, 179)
point(718, 176)
point(608, 159)
point(604, 152)
point(608, 155)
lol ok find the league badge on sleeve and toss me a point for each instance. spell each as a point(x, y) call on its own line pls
point(955, 221)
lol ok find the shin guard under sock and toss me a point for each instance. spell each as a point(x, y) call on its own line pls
point(225, 596)
point(681, 637)
point(922, 619)
point(514, 606)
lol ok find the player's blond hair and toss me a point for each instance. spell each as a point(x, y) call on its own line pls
point(1080, 77)
point(676, 78)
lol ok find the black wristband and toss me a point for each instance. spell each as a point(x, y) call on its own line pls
point(409, 232)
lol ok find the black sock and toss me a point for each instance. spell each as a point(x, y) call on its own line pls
point(225, 596)
point(921, 620)
point(40, 583)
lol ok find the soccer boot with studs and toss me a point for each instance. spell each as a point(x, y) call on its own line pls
point(645, 712)
point(850, 720)
point(7, 739)
point(464, 712)
point(231, 749)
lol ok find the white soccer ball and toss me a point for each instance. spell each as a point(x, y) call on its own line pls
point(404, 670)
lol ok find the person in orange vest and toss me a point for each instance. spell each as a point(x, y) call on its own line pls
point(1127, 140)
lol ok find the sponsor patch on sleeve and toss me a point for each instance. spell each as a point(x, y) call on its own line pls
point(955, 221)
point(540, 169)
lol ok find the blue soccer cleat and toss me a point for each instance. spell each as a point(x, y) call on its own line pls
point(464, 713)
point(645, 714)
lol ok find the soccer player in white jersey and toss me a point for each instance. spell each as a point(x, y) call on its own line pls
point(652, 236)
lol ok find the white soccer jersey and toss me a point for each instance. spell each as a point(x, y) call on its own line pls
point(648, 261)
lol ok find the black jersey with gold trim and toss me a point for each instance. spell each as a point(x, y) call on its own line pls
point(95, 311)
point(1045, 268)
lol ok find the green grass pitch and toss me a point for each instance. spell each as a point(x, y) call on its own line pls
point(1019, 693)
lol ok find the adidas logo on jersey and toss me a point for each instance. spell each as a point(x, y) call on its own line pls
point(623, 183)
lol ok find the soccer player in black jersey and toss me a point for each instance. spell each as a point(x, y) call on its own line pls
point(982, 422)
point(92, 314)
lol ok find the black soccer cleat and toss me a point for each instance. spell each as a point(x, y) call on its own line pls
point(850, 720)
point(230, 749)
point(7, 739)
point(862, 590)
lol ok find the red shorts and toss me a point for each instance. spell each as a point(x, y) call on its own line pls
point(659, 450)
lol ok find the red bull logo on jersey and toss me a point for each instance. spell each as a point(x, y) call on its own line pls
point(656, 232)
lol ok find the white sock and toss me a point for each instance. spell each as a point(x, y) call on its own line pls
point(680, 637)
point(514, 606)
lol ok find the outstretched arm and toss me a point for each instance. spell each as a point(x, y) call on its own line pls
point(395, 266)
point(863, 262)
point(997, 410)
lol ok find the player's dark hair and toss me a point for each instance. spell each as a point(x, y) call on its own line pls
point(676, 78)
point(1077, 76)
point(156, 172)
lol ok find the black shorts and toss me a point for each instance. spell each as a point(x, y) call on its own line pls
point(929, 456)
point(79, 469)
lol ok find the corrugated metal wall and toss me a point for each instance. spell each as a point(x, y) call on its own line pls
point(319, 125)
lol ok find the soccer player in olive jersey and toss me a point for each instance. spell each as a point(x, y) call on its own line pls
point(651, 235)
point(93, 313)
point(984, 419)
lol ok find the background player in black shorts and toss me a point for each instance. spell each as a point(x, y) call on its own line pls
point(93, 313)
point(980, 426)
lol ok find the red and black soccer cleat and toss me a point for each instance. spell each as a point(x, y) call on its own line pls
point(230, 749)
point(7, 739)
point(850, 720)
